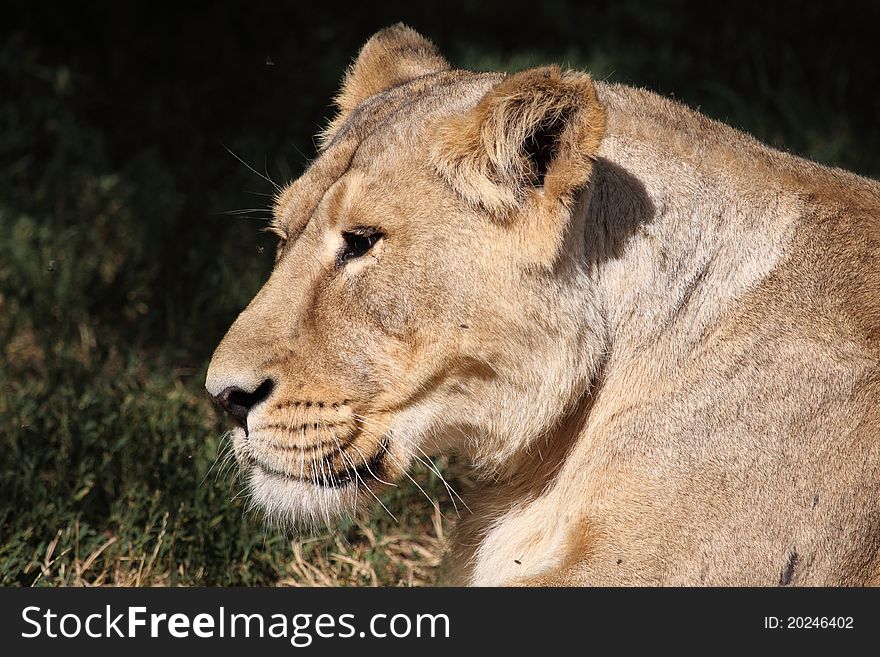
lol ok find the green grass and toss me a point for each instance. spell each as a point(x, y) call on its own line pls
point(119, 273)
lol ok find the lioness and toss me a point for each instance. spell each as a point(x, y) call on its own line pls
point(657, 340)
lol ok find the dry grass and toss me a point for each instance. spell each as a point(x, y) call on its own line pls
point(363, 553)
point(68, 568)
point(326, 560)
point(408, 560)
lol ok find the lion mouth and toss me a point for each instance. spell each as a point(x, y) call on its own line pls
point(324, 475)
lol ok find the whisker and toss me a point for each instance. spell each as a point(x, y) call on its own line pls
point(266, 170)
point(227, 464)
point(430, 499)
point(329, 465)
point(314, 465)
point(302, 453)
point(367, 466)
point(400, 466)
point(240, 493)
point(222, 446)
point(357, 475)
point(318, 484)
point(306, 161)
point(245, 211)
point(266, 178)
point(429, 464)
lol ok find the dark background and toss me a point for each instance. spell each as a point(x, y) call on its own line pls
point(123, 258)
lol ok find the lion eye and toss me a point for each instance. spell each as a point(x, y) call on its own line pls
point(358, 243)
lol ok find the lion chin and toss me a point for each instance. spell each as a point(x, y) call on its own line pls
point(293, 503)
point(655, 338)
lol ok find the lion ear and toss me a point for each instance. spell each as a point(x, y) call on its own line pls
point(391, 57)
point(533, 136)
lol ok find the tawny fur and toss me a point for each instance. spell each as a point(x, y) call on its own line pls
point(661, 354)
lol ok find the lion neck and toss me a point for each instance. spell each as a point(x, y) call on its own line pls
point(672, 241)
point(676, 231)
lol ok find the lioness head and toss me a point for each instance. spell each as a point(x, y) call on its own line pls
point(430, 288)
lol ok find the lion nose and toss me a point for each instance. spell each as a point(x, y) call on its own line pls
point(238, 402)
